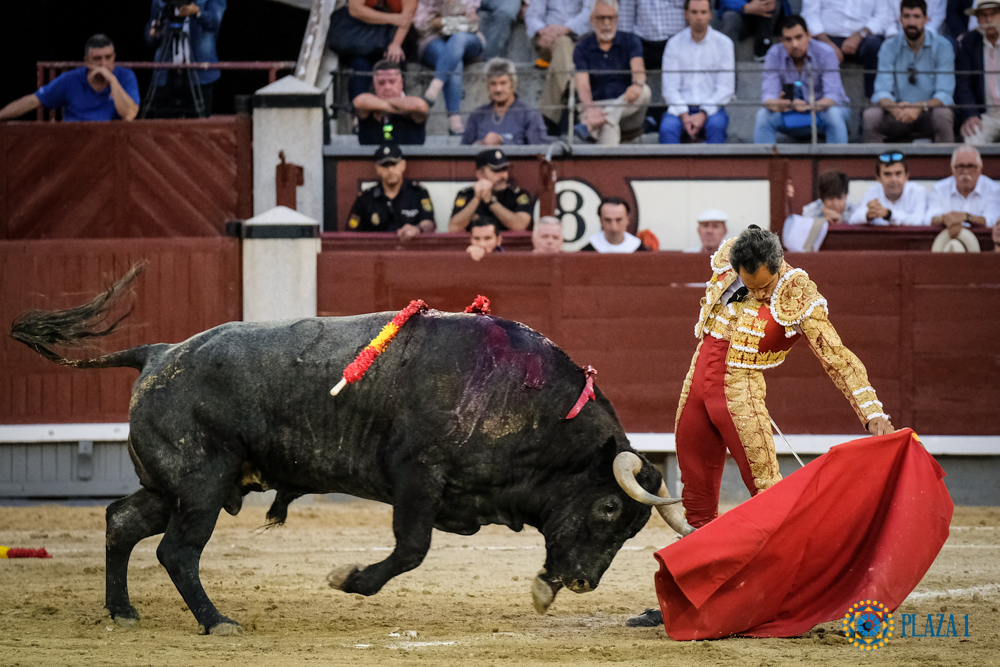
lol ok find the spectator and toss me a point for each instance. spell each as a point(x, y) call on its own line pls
point(976, 91)
point(699, 78)
point(653, 22)
point(789, 68)
point(935, 19)
point(484, 237)
point(966, 198)
point(740, 18)
point(449, 35)
point(363, 32)
point(610, 79)
point(389, 115)
point(97, 91)
point(554, 26)
point(893, 200)
point(712, 230)
point(505, 119)
point(832, 204)
point(493, 196)
point(855, 30)
point(915, 84)
point(394, 204)
point(547, 237)
point(495, 19)
point(614, 215)
point(185, 34)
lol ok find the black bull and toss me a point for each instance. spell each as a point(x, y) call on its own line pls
point(458, 424)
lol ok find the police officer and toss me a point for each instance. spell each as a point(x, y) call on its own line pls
point(493, 196)
point(394, 204)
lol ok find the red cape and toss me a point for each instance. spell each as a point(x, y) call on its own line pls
point(863, 521)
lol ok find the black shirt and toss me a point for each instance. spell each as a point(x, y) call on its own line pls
point(512, 198)
point(405, 130)
point(373, 211)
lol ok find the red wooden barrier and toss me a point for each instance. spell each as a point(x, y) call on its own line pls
point(922, 324)
point(189, 285)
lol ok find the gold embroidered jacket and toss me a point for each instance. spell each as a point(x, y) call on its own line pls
point(760, 335)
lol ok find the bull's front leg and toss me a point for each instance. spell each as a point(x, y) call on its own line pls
point(414, 507)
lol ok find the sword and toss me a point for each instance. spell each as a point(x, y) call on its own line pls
point(786, 442)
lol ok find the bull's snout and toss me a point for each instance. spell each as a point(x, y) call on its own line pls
point(579, 586)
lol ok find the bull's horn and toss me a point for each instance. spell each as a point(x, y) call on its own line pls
point(626, 466)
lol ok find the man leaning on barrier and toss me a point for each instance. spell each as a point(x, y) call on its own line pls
point(97, 91)
point(977, 76)
point(894, 199)
point(789, 69)
point(915, 83)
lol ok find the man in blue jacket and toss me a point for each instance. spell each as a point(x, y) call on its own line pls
point(183, 34)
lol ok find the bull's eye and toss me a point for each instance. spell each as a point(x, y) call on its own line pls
point(608, 509)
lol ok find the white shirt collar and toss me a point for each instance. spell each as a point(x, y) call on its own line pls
point(629, 243)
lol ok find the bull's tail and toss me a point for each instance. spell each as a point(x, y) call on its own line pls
point(74, 327)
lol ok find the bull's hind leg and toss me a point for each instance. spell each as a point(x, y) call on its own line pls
point(141, 515)
point(187, 533)
point(414, 507)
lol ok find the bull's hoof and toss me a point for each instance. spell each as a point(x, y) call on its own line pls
point(542, 594)
point(125, 618)
point(338, 576)
point(226, 628)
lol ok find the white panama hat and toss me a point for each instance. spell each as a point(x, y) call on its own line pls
point(982, 4)
point(966, 241)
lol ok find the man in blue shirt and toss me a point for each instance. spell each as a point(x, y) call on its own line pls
point(98, 91)
point(914, 85)
point(610, 79)
point(505, 119)
point(804, 67)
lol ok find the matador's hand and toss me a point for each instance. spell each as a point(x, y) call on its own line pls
point(880, 426)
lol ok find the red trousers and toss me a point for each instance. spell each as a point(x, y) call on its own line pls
point(705, 430)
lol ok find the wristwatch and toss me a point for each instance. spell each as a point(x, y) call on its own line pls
point(888, 214)
point(494, 200)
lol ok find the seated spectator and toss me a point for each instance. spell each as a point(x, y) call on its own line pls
point(966, 198)
point(363, 32)
point(711, 230)
point(855, 30)
point(741, 18)
point(614, 215)
point(975, 89)
point(894, 200)
point(547, 236)
point(187, 33)
point(484, 237)
point(554, 27)
point(653, 22)
point(493, 196)
point(394, 204)
point(832, 204)
point(935, 20)
point(389, 115)
point(788, 68)
point(505, 119)
point(495, 19)
point(610, 79)
point(449, 35)
point(915, 84)
point(97, 91)
point(699, 78)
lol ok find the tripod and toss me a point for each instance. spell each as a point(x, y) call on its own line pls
point(177, 48)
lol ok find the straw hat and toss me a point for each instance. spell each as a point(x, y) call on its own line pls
point(982, 4)
point(966, 241)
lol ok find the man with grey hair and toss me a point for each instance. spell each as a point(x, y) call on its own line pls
point(966, 198)
point(505, 119)
point(547, 236)
point(610, 79)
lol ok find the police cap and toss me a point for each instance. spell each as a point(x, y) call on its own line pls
point(494, 158)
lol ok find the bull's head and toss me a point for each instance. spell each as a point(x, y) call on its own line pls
point(582, 537)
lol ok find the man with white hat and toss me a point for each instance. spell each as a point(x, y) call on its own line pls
point(977, 81)
point(711, 230)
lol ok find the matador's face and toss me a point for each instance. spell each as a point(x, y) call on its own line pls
point(760, 283)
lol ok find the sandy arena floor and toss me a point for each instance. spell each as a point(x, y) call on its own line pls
point(469, 603)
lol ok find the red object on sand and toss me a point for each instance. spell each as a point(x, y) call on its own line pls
point(28, 553)
point(864, 521)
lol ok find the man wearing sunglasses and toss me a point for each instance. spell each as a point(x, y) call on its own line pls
point(893, 200)
point(914, 85)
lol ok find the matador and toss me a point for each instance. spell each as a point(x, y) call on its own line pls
point(756, 307)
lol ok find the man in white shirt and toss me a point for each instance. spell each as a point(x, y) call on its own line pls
point(854, 28)
point(698, 79)
point(894, 200)
point(966, 198)
point(614, 214)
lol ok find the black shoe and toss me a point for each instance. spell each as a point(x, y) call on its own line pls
point(647, 619)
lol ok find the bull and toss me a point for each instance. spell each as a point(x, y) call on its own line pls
point(460, 423)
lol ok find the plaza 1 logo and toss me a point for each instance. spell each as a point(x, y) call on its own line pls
point(576, 207)
point(935, 625)
point(868, 624)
